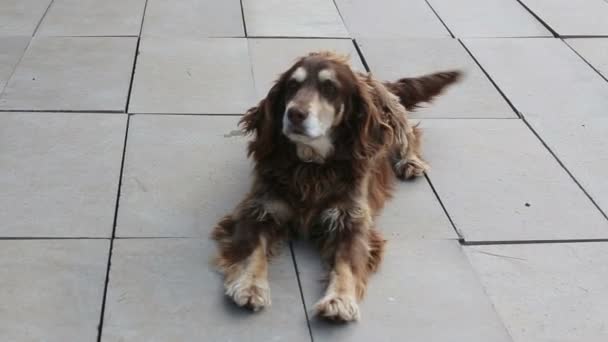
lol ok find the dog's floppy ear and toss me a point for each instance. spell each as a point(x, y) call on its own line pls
point(261, 120)
point(413, 91)
point(372, 133)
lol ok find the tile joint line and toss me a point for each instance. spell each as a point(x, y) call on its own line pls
point(504, 96)
point(441, 20)
point(585, 60)
point(111, 249)
point(295, 265)
point(555, 34)
point(42, 18)
point(445, 209)
point(243, 19)
point(564, 167)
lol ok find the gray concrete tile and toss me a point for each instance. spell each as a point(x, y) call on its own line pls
point(593, 50)
point(93, 18)
point(414, 213)
point(425, 291)
point(193, 18)
point(572, 18)
point(390, 19)
point(293, 18)
point(542, 77)
point(165, 290)
point(181, 175)
point(499, 183)
point(268, 64)
point(171, 187)
point(59, 173)
point(72, 74)
point(581, 146)
point(20, 17)
point(547, 292)
point(473, 97)
point(52, 290)
point(175, 75)
point(11, 50)
point(488, 18)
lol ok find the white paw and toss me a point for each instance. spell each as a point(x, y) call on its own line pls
point(407, 169)
point(250, 294)
point(338, 308)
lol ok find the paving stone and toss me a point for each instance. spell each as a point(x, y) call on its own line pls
point(581, 146)
point(11, 50)
point(547, 292)
point(268, 64)
point(93, 18)
point(72, 74)
point(390, 19)
point(52, 290)
point(572, 18)
point(562, 85)
point(59, 173)
point(193, 18)
point(594, 51)
point(169, 187)
point(181, 175)
point(473, 97)
point(499, 183)
point(488, 18)
point(292, 18)
point(165, 290)
point(20, 17)
point(414, 212)
point(425, 291)
point(175, 75)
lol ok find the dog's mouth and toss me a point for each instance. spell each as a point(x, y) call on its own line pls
point(299, 134)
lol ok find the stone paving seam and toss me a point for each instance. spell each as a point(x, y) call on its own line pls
point(42, 18)
point(441, 20)
point(107, 279)
point(347, 30)
point(504, 96)
point(243, 19)
point(564, 167)
point(444, 208)
point(360, 53)
point(584, 60)
point(295, 266)
point(528, 242)
point(549, 28)
point(122, 165)
point(15, 68)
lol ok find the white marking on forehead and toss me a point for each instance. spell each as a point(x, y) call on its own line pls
point(299, 75)
point(327, 74)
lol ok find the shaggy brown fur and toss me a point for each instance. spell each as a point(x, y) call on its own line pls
point(333, 199)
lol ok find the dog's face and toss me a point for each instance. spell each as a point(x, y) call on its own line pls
point(316, 91)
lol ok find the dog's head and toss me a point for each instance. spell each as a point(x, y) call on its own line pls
point(307, 104)
point(317, 101)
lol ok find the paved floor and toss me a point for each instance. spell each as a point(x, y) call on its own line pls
point(118, 153)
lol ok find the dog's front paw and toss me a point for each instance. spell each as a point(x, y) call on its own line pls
point(249, 294)
point(406, 169)
point(338, 308)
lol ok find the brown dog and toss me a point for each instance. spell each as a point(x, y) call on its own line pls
point(328, 145)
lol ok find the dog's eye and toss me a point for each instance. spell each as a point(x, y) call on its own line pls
point(328, 89)
point(292, 85)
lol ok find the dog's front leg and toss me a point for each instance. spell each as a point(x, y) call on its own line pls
point(245, 240)
point(354, 250)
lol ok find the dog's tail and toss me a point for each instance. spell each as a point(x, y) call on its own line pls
point(413, 91)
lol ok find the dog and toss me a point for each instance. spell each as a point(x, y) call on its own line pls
point(328, 145)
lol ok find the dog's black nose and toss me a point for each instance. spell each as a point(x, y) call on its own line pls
point(296, 116)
